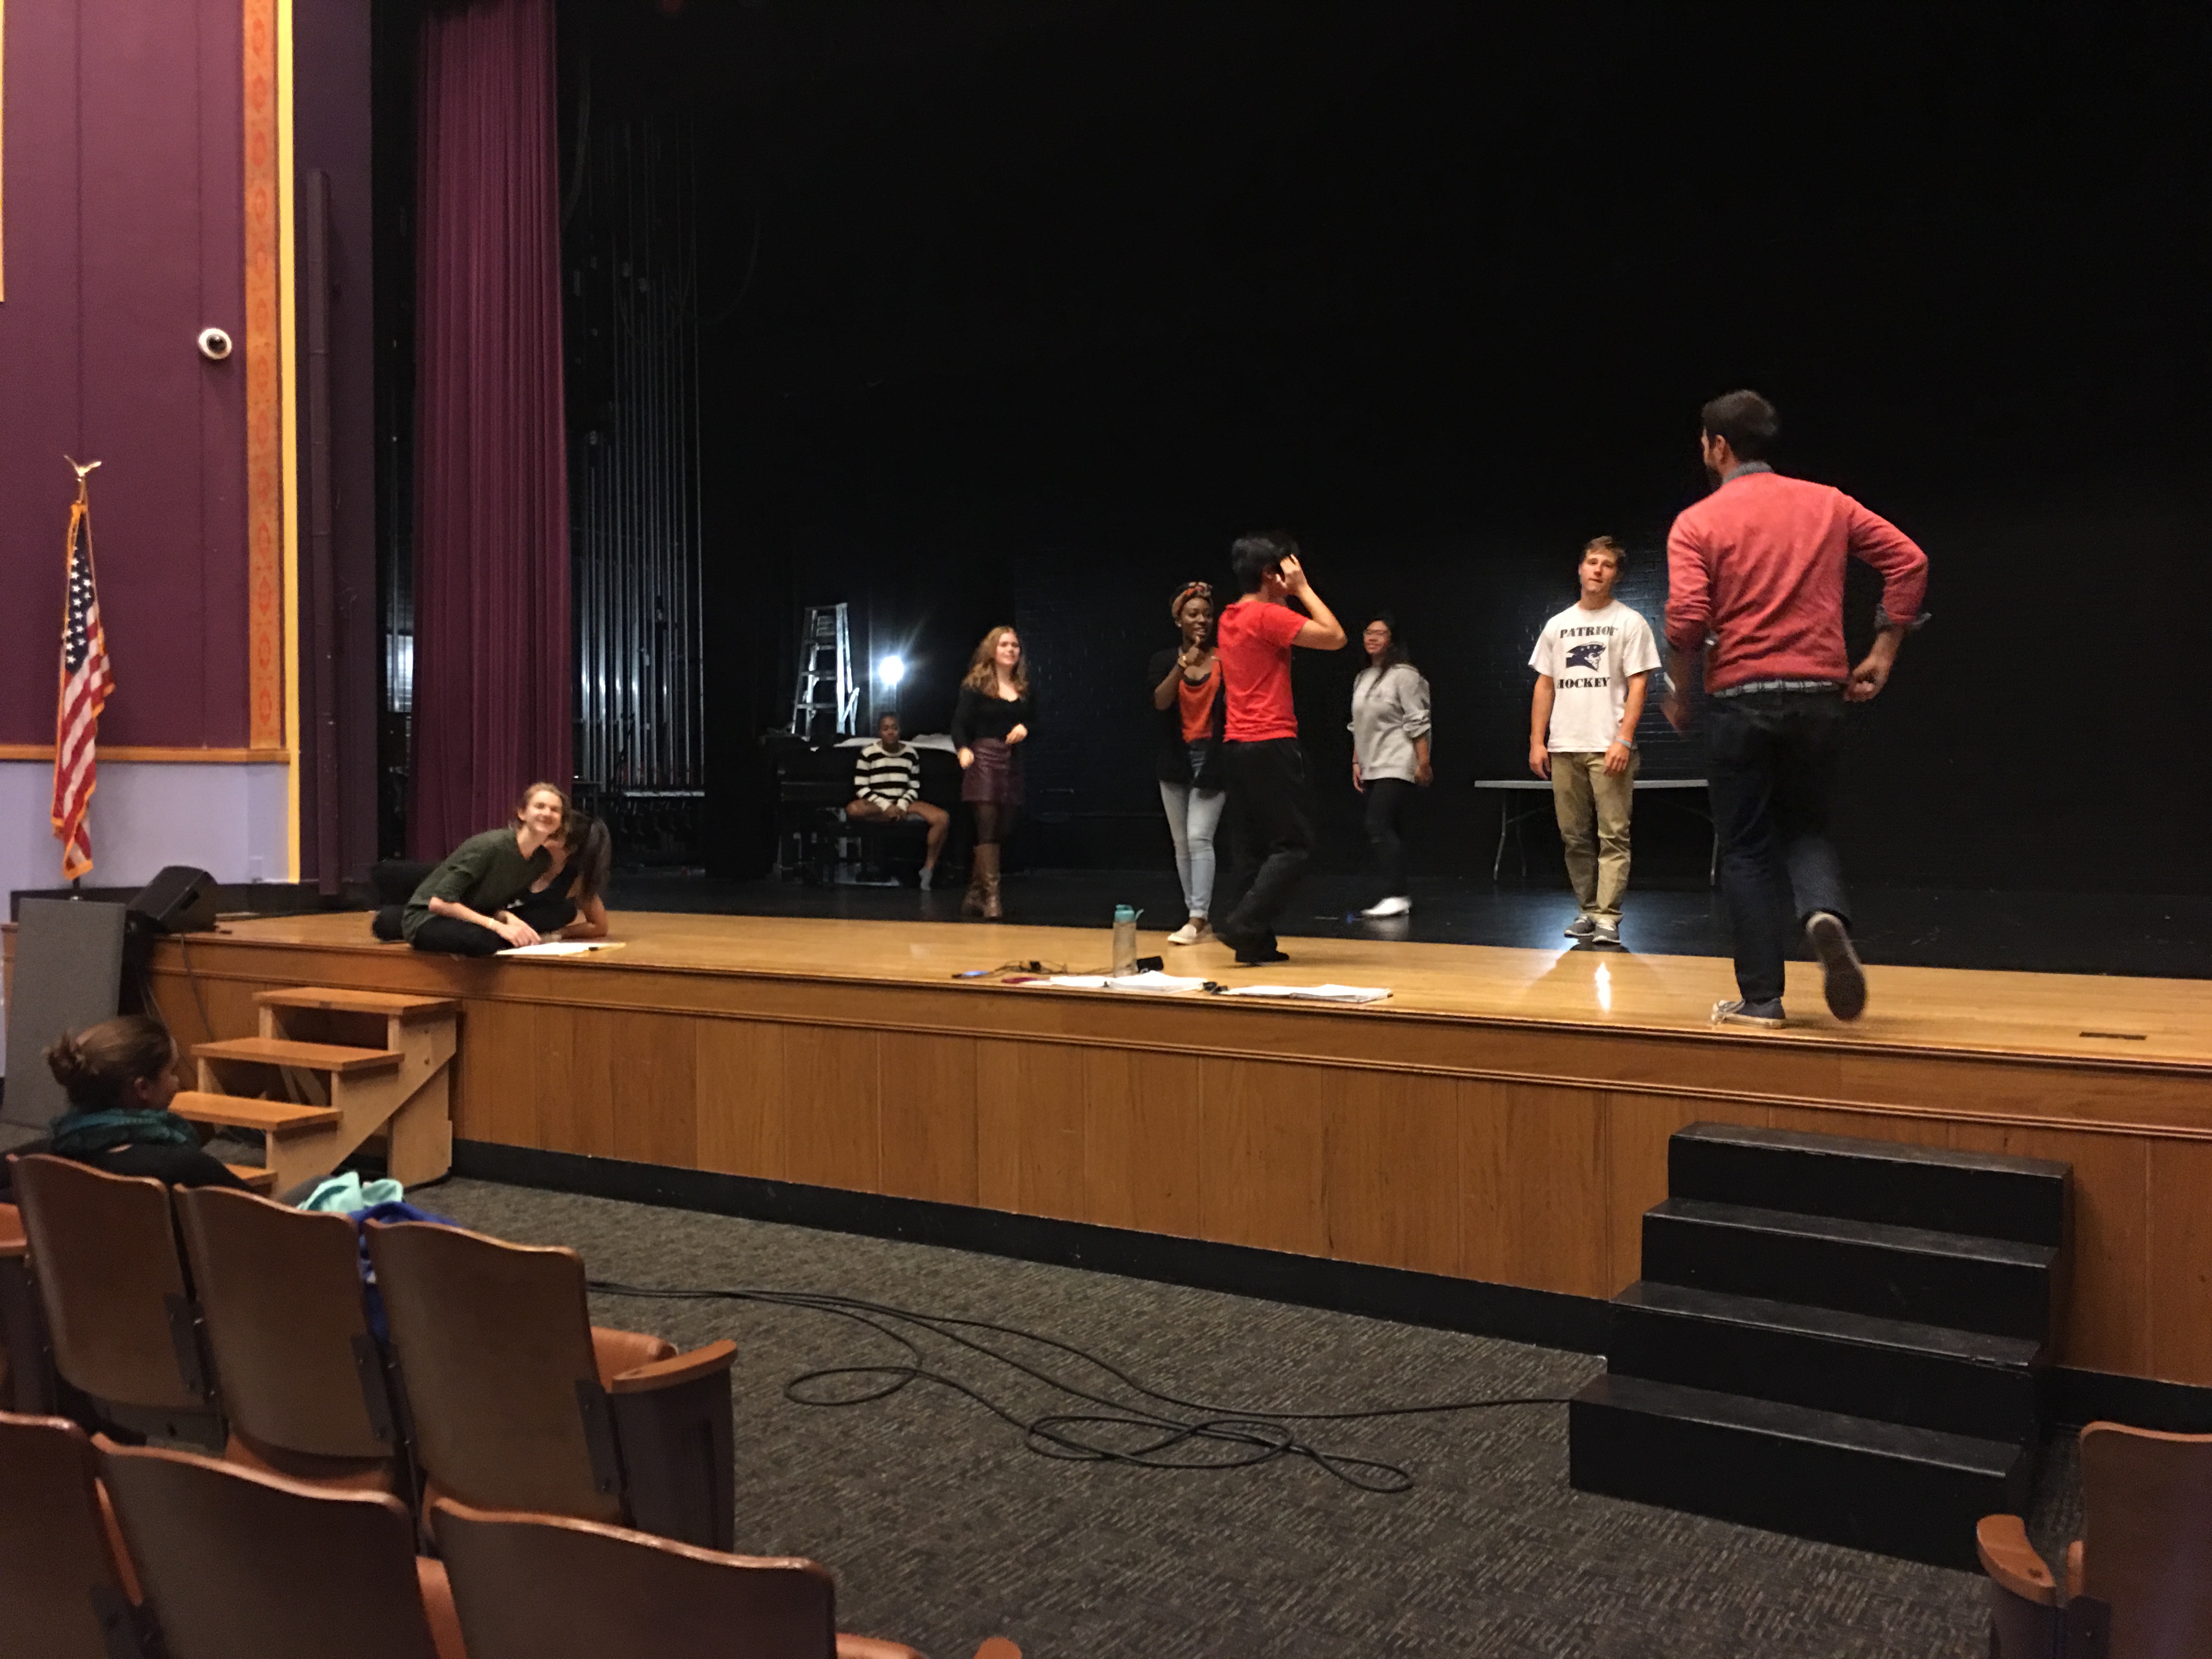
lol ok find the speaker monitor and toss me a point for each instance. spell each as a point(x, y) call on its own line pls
point(181, 900)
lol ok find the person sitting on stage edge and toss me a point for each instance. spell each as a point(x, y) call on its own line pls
point(1267, 768)
point(888, 790)
point(1186, 687)
point(1389, 753)
point(988, 726)
point(120, 1076)
point(1755, 587)
point(568, 900)
point(1593, 663)
point(461, 906)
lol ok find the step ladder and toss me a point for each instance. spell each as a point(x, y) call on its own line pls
point(825, 661)
point(329, 1070)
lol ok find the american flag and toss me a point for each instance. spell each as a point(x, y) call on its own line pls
point(86, 684)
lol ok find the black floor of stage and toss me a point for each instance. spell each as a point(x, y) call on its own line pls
point(2154, 936)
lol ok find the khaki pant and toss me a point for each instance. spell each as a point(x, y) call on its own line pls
point(1594, 807)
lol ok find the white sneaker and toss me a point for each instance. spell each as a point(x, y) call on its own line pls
point(927, 876)
point(1196, 930)
point(1605, 932)
point(1767, 1016)
point(1398, 906)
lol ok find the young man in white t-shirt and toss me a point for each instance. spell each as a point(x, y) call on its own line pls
point(1593, 662)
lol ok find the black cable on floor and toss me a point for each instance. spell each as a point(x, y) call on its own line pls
point(1192, 1434)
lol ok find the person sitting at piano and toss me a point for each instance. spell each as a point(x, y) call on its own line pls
point(460, 908)
point(888, 788)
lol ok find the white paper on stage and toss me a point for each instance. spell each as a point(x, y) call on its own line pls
point(1314, 992)
point(561, 947)
point(1159, 983)
point(1155, 982)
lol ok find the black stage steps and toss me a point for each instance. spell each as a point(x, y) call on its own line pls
point(1843, 1339)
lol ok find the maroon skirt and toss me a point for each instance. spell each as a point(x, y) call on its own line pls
point(995, 779)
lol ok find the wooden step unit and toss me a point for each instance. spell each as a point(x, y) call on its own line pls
point(328, 1069)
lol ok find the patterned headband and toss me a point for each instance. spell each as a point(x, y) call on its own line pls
point(1203, 589)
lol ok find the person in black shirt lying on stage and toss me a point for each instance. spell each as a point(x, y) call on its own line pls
point(566, 902)
point(120, 1076)
point(989, 726)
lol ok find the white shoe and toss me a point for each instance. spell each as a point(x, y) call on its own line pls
point(1605, 932)
point(1396, 906)
point(927, 876)
point(1196, 930)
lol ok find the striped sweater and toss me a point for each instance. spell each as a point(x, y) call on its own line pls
point(890, 779)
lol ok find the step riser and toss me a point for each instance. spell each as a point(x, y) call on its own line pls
point(1888, 1505)
point(1986, 1203)
point(1930, 1391)
point(1964, 1294)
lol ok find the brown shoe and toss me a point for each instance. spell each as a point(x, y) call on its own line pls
point(971, 902)
point(986, 859)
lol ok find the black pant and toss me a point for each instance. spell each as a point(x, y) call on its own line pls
point(1386, 804)
point(1776, 759)
point(448, 934)
point(1274, 798)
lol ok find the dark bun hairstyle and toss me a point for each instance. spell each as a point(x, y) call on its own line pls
point(96, 1066)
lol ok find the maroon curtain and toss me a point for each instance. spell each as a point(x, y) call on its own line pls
point(492, 676)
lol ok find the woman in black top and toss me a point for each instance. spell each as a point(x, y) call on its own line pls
point(120, 1076)
point(988, 727)
point(1186, 687)
point(566, 902)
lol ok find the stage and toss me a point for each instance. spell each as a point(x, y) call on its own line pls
point(1500, 1121)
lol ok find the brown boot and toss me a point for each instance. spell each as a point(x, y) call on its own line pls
point(971, 902)
point(987, 858)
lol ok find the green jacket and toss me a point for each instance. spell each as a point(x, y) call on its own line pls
point(484, 872)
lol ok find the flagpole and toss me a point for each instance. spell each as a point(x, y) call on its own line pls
point(86, 682)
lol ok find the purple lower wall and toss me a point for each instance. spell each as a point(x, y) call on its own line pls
point(124, 239)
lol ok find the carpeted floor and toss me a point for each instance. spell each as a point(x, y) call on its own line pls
point(942, 1529)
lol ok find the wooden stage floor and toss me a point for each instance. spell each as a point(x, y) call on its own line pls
point(1503, 1118)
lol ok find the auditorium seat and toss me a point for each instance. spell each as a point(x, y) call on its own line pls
point(304, 1381)
point(546, 1587)
point(118, 1309)
point(2136, 1583)
point(239, 1564)
point(27, 1373)
point(67, 1589)
point(517, 1402)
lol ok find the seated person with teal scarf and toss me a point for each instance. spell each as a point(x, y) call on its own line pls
point(120, 1076)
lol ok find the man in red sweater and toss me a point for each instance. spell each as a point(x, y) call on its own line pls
point(1261, 752)
point(1755, 588)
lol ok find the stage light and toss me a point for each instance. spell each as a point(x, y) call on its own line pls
point(890, 670)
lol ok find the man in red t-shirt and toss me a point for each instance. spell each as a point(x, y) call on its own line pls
point(1266, 767)
point(1755, 598)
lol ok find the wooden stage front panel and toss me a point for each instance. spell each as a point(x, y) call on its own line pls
point(1503, 1117)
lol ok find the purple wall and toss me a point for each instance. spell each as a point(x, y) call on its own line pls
point(124, 239)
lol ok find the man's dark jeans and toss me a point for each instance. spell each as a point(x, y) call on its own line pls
point(1273, 799)
point(1776, 760)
